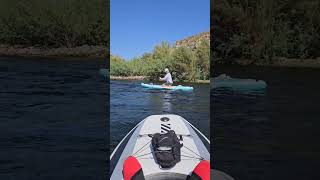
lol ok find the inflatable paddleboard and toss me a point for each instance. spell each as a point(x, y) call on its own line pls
point(134, 155)
point(104, 72)
point(154, 86)
point(224, 81)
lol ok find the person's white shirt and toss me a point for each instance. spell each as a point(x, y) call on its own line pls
point(168, 78)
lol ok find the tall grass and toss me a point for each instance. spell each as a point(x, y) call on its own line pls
point(185, 64)
point(54, 23)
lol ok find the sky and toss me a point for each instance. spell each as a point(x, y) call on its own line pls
point(136, 26)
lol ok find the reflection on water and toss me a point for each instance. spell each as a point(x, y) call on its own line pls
point(166, 101)
point(166, 104)
point(130, 103)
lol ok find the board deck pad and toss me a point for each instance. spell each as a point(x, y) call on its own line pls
point(154, 124)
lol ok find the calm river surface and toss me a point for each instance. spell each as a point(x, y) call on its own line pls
point(53, 119)
point(269, 134)
point(130, 103)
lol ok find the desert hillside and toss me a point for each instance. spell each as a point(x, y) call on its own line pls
point(194, 41)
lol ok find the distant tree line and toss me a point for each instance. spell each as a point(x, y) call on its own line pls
point(262, 30)
point(185, 64)
point(54, 23)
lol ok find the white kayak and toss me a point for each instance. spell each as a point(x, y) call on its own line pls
point(195, 148)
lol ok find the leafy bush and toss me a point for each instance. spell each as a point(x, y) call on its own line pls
point(118, 67)
point(51, 23)
point(185, 64)
point(265, 29)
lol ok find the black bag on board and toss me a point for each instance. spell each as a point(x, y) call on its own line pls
point(167, 149)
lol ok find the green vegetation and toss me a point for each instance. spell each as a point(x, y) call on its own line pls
point(54, 23)
point(185, 64)
point(262, 31)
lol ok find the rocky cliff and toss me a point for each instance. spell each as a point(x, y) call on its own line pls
point(193, 41)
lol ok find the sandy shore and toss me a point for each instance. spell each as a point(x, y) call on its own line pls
point(81, 51)
point(203, 81)
point(303, 63)
point(283, 62)
point(127, 77)
point(143, 78)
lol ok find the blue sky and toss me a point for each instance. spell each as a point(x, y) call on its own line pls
point(138, 25)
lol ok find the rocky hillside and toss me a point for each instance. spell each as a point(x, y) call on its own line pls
point(193, 41)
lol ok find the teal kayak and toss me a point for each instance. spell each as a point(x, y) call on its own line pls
point(224, 81)
point(154, 86)
point(104, 72)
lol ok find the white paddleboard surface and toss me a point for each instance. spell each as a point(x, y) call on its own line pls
point(139, 146)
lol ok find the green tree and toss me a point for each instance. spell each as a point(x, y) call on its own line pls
point(202, 55)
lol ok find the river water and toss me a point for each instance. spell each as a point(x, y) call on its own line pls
point(130, 103)
point(53, 119)
point(270, 134)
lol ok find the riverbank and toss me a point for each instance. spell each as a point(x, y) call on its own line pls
point(277, 62)
point(127, 77)
point(33, 51)
point(145, 78)
point(303, 63)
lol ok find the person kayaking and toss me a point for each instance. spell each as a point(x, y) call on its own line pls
point(167, 78)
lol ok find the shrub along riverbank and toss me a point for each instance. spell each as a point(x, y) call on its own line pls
point(47, 24)
point(185, 64)
point(264, 32)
